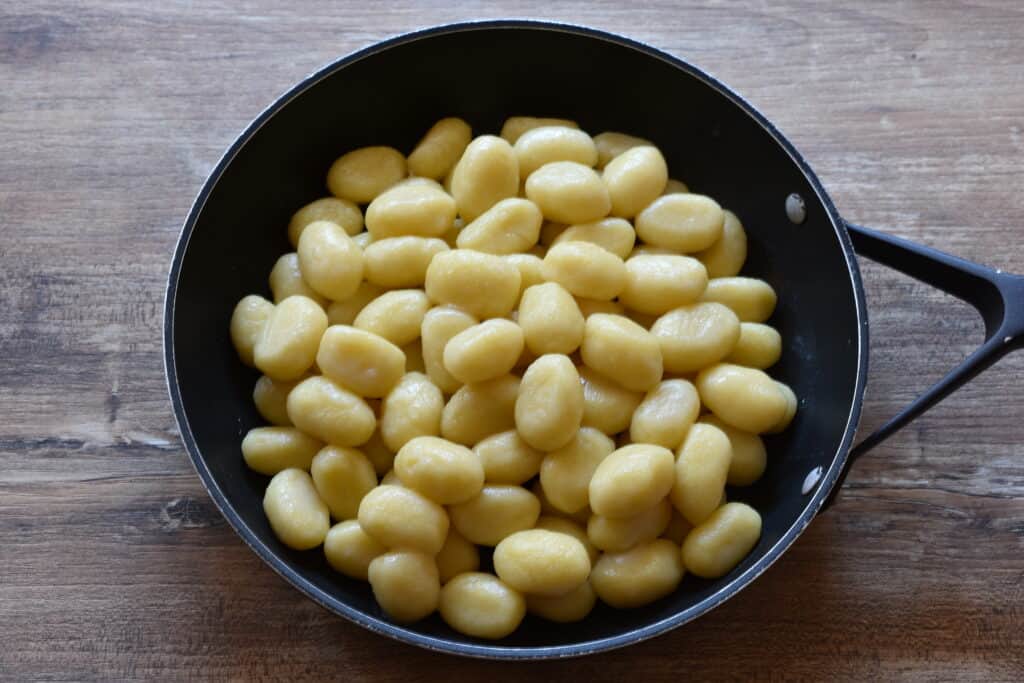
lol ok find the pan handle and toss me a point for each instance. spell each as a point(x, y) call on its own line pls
point(998, 296)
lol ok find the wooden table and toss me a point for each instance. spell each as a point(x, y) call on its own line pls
point(114, 563)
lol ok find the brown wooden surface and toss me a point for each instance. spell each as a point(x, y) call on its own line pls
point(114, 563)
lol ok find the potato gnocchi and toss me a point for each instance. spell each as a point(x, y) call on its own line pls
point(536, 342)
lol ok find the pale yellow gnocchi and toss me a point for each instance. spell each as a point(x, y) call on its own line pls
point(540, 343)
point(481, 605)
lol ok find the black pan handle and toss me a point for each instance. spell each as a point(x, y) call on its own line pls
point(998, 296)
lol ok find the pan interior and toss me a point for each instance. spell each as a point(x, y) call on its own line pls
point(391, 97)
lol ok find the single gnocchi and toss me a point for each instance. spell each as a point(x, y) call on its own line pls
point(288, 343)
point(456, 556)
point(397, 316)
point(630, 480)
point(701, 471)
point(607, 405)
point(399, 517)
point(440, 324)
point(759, 346)
point(726, 256)
point(405, 584)
point(350, 550)
point(611, 144)
point(483, 285)
point(717, 545)
point(566, 473)
point(549, 407)
point(564, 609)
point(541, 562)
point(479, 410)
point(484, 351)
point(751, 299)
point(620, 349)
point(399, 262)
point(568, 192)
point(507, 459)
point(341, 212)
point(268, 450)
point(247, 322)
point(286, 280)
point(328, 411)
point(443, 471)
point(510, 226)
point(498, 511)
point(613, 234)
point(638, 576)
point(617, 534)
point(695, 336)
point(481, 605)
point(342, 477)
point(411, 409)
point(365, 362)
point(546, 144)
point(585, 269)
point(487, 172)
point(685, 223)
point(745, 398)
point(295, 511)
point(665, 414)
point(634, 179)
point(330, 261)
point(440, 149)
point(656, 284)
point(550, 319)
point(271, 399)
point(362, 174)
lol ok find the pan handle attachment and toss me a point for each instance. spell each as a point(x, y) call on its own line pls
point(998, 296)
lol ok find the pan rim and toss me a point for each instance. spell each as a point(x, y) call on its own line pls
point(482, 650)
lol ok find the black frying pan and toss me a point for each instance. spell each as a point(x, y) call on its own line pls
point(390, 93)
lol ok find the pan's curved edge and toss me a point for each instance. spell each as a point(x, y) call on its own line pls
point(402, 634)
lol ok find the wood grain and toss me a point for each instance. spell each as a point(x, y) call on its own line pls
point(114, 563)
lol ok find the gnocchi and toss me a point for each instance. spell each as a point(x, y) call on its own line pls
point(440, 149)
point(546, 144)
point(411, 409)
point(342, 477)
point(288, 343)
point(568, 192)
point(341, 212)
point(350, 550)
point(330, 261)
point(362, 174)
point(405, 583)
point(541, 562)
point(484, 351)
point(549, 407)
point(518, 335)
point(443, 471)
point(399, 262)
point(634, 179)
point(499, 510)
point(481, 605)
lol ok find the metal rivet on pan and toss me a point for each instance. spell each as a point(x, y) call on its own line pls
point(811, 480)
point(796, 210)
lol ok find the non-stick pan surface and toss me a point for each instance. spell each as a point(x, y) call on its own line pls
point(390, 94)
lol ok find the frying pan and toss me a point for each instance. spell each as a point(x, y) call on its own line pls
point(390, 93)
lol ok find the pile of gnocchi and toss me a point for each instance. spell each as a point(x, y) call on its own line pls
point(537, 343)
